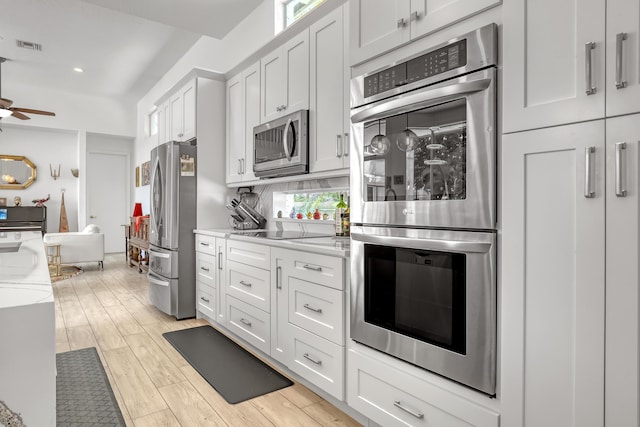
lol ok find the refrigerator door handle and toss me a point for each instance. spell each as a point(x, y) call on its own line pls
point(158, 282)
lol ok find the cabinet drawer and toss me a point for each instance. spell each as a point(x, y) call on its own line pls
point(317, 308)
point(388, 396)
point(322, 269)
point(206, 300)
point(249, 284)
point(205, 244)
point(318, 360)
point(206, 268)
point(249, 323)
point(249, 253)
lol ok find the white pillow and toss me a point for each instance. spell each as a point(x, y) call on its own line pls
point(91, 228)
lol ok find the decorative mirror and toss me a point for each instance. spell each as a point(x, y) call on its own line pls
point(16, 172)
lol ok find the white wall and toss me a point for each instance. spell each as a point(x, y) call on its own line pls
point(44, 147)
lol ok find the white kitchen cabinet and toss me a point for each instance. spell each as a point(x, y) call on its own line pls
point(182, 106)
point(378, 26)
point(243, 114)
point(249, 323)
point(164, 123)
point(560, 67)
point(553, 277)
point(622, 274)
point(284, 78)
point(329, 93)
point(210, 274)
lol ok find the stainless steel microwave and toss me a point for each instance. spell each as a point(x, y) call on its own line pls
point(281, 146)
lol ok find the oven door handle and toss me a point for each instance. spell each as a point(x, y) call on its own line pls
point(415, 101)
point(426, 244)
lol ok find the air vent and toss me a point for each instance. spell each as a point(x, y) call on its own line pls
point(28, 45)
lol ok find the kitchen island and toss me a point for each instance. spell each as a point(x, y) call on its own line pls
point(27, 330)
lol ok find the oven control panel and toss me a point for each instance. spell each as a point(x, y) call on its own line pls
point(424, 66)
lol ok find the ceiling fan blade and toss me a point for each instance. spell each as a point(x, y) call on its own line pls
point(5, 103)
point(20, 116)
point(31, 111)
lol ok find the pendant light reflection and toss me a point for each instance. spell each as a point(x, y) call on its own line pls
point(380, 144)
point(407, 140)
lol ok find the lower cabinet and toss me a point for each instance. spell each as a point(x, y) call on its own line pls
point(249, 323)
point(210, 262)
point(393, 397)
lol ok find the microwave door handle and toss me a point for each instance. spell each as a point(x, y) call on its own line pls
point(285, 140)
point(417, 101)
point(426, 244)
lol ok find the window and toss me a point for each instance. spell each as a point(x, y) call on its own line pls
point(292, 204)
point(289, 11)
point(153, 123)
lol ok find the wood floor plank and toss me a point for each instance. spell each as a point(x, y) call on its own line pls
point(280, 411)
point(73, 314)
point(123, 320)
point(189, 406)
point(64, 291)
point(140, 395)
point(328, 415)
point(81, 337)
point(159, 419)
point(104, 329)
point(159, 367)
point(155, 331)
point(104, 295)
point(299, 395)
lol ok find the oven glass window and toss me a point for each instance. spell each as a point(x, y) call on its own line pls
point(417, 293)
point(420, 155)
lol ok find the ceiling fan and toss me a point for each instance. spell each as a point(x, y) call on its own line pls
point(7, 110)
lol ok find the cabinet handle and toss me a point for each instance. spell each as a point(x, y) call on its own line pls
point(220, 260)
point(204, 299)
point(278, 108)
point(620, 38)
point(345, 148)
point(204, 244)
point(589, 192)
point(308, 357)
point(239, 166)
point(413, 412)
point(415, 15)
point(402, 23)
point(284, 107)
point(246, 322)
point(278, 275)
point(242, 282)
point(338, 145)
point(588, 47)
point(308, 307)
point(204, 268)
point(309, 267)
point(621, 169)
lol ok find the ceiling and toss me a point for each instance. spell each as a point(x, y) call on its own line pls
point(123, 46)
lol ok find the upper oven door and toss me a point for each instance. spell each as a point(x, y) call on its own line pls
point(427, 157)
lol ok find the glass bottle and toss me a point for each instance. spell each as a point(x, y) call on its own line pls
point(346, 220)
point(340, 208)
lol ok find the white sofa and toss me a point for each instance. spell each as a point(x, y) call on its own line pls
point(79, 246)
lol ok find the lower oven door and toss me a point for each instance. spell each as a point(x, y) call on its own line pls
point(427, 297)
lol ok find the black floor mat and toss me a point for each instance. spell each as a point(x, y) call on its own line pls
point(235, 373)
point(83, 394)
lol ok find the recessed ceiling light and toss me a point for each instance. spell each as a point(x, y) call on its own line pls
point(78, 70)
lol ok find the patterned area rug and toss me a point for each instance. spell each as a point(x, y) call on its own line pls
point(83, 394)
point(66, 271)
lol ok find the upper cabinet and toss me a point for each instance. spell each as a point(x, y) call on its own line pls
point(329, 90)
point(378, 26)
point(177, 115)
point(558, 67)
point(164, 122)
point(243, 114)
point(285, 78)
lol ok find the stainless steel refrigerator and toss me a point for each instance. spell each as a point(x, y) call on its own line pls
point(172, 278)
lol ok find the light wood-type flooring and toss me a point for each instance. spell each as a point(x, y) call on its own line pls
point(153, 384)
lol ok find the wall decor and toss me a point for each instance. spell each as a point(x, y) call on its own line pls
point(16, 172)
point(145, 173)
point(137, 176)
point(3, 201)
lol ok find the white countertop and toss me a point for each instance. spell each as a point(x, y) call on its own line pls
point(24, 274)
point(332, 245)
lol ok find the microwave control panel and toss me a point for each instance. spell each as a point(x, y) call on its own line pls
point(422, 67)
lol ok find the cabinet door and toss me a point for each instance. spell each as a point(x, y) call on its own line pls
point(428, 16)
point(281, 340)
point(623, 276)
point(271, 85)
point(175, 106)
point(251, 103)
point(295, 54)
point(553, 277)
point(545, 62)
point(221, 247)
point(377, 26)
point(235, 129)
point(623, 86)
point(327, 136)
point(188, 94)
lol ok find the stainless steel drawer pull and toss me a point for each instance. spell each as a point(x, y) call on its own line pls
point(402, 23)
point(415, 15)
point(589, 191)
point(242, 282)
point(413, 412)
point(308, 307)
point(621, 169)
point(590, 88)
point(338, 145)
point(204, 244)
point(309, 267)
point(204, 268)
point(345, 147)
point(204, 299)
point(220, 260)
point(278, 277)
point(308, 357)
point(620, 38)
point(246, 322)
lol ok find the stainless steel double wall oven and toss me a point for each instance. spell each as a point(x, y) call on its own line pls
point(423, 195)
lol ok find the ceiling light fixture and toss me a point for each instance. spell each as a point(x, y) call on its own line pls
point(5, 113)
point(78, 70)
